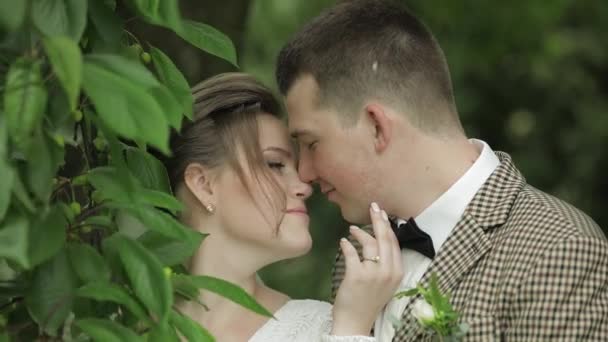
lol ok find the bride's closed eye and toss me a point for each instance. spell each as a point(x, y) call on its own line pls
point(278, 166)
point(278, 159)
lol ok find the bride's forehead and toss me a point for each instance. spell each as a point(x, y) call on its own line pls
point(272, 130)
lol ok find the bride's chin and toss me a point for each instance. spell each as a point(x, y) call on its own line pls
point(300, 247)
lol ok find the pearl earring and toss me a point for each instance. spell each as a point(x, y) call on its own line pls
point(210, 208)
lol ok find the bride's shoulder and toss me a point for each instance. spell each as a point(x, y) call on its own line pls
point(298, 320)
point(304, 307)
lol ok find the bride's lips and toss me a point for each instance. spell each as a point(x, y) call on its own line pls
point(299, 211)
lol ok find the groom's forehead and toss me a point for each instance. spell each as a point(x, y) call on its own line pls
point(304, 92)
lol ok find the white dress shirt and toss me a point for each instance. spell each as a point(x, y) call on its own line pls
point(438, 220)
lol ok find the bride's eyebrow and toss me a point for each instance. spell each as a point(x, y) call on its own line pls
point(299, 133)
point(279, 150)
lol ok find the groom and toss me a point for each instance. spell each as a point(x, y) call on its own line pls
point(370, 103)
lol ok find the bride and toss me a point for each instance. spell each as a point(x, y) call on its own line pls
point(235, 170)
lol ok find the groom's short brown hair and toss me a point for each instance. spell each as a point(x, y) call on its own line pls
point(364, 49)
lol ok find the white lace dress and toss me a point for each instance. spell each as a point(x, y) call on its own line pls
point(303, 321)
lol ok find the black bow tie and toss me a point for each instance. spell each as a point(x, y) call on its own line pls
point(410, 236)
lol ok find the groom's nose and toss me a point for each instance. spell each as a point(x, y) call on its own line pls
point(305, 170)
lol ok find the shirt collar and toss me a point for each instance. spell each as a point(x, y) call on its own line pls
point(439, 219)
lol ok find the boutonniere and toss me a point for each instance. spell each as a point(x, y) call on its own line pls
point(434, 311)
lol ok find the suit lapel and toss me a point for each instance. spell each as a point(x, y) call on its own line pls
point(469, 241)
point(461, 251)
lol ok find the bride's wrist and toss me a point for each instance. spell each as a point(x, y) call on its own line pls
point(343, 326)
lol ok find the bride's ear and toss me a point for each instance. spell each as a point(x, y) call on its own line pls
point(198, 179)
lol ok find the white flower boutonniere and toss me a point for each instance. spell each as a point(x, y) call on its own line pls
point(434, 311)
point(423, 311)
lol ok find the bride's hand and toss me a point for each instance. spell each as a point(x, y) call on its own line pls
point(369, 283)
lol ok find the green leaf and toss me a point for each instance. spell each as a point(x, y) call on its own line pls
point(407, 293)
point(111, 4)
point(88, 263)
point(14, 234)
point(3, 136)
point(126, 107)
point(6, 186)
point(126, 223)
point(12, 14)
point(170, 251)
point(228, 290)
point(171, 107)
point(186, 288)
point(159, 199)
point(161, 222)
point(22, 195)
point(103, 221)
point(24, 99)
point(47, 235)
point(60, 17)
point(9, 286)
point(132, 71)
point(107, 24)
point(111, 254)
point(173, 79)
point(116, 157)
point(51, 296)
point(434, 296)
point(209, 39)
point(162, 333)
point(150, 172)
point(103, 291)
point(59, 113)
point(104, 330)
point(111, 184)
point(190, 328)
point(146, 275)
point(66, 61)
point(8, 178)
point(44, 157)
point(164, 13)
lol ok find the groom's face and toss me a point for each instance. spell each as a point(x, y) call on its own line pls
point(336, 157)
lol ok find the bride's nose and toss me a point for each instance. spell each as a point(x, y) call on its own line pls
point(301, 190)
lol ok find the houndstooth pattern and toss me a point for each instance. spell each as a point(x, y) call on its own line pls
point(520, 265)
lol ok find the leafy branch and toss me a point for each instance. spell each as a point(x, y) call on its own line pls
point(72, 101)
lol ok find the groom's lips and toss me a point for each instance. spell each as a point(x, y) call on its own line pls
point(328, 191)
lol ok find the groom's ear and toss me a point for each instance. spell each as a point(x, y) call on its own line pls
point(381, 126)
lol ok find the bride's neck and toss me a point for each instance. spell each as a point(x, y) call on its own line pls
point(221, 259)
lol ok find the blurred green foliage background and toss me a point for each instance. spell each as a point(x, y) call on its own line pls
point(531, 79)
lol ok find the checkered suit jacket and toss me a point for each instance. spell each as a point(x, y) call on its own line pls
point(520, 265)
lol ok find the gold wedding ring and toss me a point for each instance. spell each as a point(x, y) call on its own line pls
point(374, 259)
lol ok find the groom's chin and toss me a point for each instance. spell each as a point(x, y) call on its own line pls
point(354, 215)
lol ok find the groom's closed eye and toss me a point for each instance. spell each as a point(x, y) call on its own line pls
point(311, 146)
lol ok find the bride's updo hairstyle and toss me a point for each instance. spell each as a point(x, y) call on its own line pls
point(224, 126)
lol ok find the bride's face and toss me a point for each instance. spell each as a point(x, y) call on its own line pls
point(267, 216)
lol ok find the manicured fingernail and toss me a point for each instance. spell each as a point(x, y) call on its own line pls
point(384, 215)
point(354, 228)
point(342, 240)
point(375, 207)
